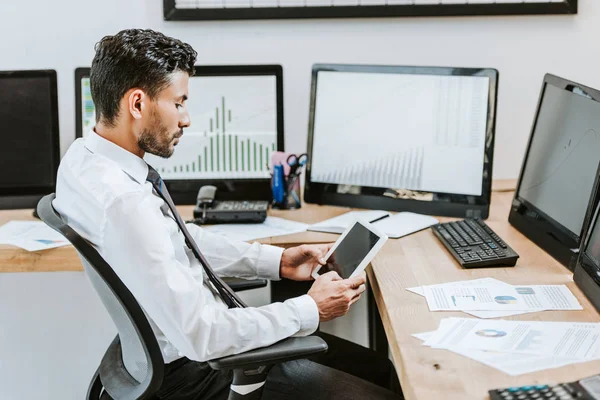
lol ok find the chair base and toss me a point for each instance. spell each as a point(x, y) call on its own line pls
point(248, 384)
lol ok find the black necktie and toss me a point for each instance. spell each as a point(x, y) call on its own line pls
point(228, 295)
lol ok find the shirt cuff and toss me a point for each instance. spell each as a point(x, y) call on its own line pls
point(269, 261)
point(307, 312)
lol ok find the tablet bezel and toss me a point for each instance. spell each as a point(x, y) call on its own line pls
point(370, 255)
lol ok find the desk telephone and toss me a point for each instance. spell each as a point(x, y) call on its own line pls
point(211, 211)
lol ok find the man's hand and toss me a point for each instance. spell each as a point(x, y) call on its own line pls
point(335, 295)
point(298, 263)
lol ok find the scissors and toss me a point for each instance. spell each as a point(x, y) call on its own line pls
point(296, 162)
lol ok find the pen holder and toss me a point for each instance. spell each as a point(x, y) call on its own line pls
point(292, 195)
point(290, 199)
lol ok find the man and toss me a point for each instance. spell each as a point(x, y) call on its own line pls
point(105, 191)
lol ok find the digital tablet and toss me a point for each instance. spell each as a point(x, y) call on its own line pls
point(353, 251)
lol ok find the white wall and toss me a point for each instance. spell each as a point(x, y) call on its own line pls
point(52, 328)
point(61, 35)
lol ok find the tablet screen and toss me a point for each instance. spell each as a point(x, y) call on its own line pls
point(351, 251)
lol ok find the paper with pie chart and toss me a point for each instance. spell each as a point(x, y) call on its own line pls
point(574, 340)
point(511, 363)
point(500, 298)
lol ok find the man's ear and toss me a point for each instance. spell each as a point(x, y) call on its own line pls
point(136, 102)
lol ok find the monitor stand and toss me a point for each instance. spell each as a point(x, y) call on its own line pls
point(538, 232)
point(187, 192)
point(588, 284)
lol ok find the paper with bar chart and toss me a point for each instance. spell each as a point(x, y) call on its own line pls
point(400, 131)
point(233, 130)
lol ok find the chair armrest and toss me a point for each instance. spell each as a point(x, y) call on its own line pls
point(286, 350)
point(238, 284)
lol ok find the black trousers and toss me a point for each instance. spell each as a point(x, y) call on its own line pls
point(347, 371)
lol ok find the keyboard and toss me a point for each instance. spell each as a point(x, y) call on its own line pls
point(474, 244)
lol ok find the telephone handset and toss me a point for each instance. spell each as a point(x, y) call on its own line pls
point(211, 211)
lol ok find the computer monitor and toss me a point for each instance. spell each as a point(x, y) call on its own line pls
point(236, 114)
point(587, 266)
point(555, 185)
point(402, 138)
point(30, 150)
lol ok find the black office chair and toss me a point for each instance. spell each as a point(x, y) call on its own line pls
point(133, 366)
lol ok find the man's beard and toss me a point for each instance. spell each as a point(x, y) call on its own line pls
point(158, 142)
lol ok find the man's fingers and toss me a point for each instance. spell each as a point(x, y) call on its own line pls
point(331, 276)
point(354, 299)
point(358, 291)
point(361, 289)
point(323, 250)
point(327, 247)
point(357, 280)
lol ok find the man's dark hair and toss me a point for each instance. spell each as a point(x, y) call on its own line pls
point(135, 58)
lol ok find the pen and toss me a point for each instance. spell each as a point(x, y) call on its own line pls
point(278, 184)
point(380, 218)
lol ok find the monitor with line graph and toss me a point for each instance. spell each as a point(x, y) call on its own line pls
point(236, 115)
point(553, 196)
point(402, 138)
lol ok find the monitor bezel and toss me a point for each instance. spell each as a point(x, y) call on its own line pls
point(185, 191)
point(80, 73)
point(455, 205)
point(584, 258)
point(554, 238)
point(25, 196)
point(587, 270)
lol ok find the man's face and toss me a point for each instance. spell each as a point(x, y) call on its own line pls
point(166, 118)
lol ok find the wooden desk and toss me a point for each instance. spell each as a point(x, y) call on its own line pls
point(14, 259)
point(419, 259)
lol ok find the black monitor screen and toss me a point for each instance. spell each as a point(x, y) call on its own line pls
point(563, 157)
point(29, 129)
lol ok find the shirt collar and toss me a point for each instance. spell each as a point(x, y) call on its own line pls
point(131, 164)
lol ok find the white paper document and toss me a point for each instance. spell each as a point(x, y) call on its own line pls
point(509, 363)
point(476, 282)
point(573, 340)
point(394, 226)
point(272, 226)
point(404, 223)
point(500, 298)
point(31, 235)
point(341, 222)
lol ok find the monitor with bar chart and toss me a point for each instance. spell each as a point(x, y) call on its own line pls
point(236, 115)
point(402, 133)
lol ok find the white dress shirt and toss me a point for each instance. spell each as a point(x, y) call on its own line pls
point(102, 193)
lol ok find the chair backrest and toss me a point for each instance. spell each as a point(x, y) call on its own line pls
point(133, 366)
